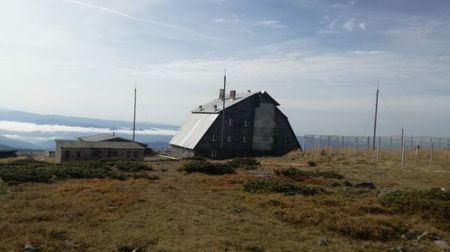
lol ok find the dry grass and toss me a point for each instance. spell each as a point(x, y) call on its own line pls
point(198, 212)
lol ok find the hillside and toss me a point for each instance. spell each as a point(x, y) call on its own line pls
point(317, 205)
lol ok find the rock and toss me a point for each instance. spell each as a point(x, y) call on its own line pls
point(323, 241)
point(69, 244)
point(398, 249)
point(443, 245)
point(420, 237)
point(387, 190)
point(31, 247)
point(370, 186)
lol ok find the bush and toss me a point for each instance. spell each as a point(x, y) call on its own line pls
point(34, 171)
point(208, 168)
point(311, 163)
point(300, 175)
point(128, 166)
point(3, 187)
point(369, 228)
point(264, 186)
point(434, 202)
point(245, 163)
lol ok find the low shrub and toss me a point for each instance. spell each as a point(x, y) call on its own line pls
point(265, 186)
point(300, 175)
point(3, 187)
point(311, 163)
point(41, 172)
point(434, 202)
point(128, 166)
point(244, 163)
point(208, 168)
point(380, 229)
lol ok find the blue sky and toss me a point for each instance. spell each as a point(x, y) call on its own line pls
point(321, 60)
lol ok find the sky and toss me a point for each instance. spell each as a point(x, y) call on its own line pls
point(321, 60)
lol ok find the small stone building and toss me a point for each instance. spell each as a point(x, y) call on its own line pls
point(253, 126)
point(69, 150)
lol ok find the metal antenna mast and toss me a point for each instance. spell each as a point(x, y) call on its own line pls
point(223, 112)
point(376, 118)
point(134, 118)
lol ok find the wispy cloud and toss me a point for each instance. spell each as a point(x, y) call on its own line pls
point(349, 24)
point(362, 26)
point(138, 19)
point(274, 24)
point(234, 19)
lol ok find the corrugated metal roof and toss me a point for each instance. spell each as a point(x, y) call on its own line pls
point(99, 145)
point(193, 130)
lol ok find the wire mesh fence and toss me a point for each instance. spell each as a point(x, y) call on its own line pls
point(317, 142)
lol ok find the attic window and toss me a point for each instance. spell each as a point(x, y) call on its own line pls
point(229, 139)
point(230, 122)
point(245, 123)
point(244, 139)
point(213, 153)
point(214, 138)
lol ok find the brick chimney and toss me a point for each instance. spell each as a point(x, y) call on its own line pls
point(222, 94)
point(233, 94)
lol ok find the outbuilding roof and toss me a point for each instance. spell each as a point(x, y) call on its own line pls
point(102, 137)
point(99, 145)
point(193, 130)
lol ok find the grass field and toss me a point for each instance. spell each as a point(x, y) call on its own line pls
point(316, 205)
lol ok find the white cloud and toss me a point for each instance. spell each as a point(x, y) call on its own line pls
point(362, 26)
point(24, 127)
point(234, 19)
point(349, 24)
point(274, 24)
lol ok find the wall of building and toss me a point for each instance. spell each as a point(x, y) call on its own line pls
point(87, 154)
point(180, 152)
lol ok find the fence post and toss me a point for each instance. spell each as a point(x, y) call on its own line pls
point(357, 145)
point(431, 155)
point(403, 153)
point(320, 143)
point(417, 149)
point(378, 149)
point(368, 143)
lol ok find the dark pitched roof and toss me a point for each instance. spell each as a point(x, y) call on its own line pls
point(99, 145)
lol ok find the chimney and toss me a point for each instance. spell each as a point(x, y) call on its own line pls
point(233, 94)
point(222, 94)
point(215, 107)
point(200, 107)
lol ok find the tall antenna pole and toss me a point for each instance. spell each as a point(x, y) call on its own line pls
point(223, 112)
point(376, 117)
point(134, 118)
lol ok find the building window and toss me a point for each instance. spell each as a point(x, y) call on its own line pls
point(128, 154)
point(67, 154)
point(244, 139)
point(245, 123)
point(229, 139)
point(230, 122)
point(78, 154)
point(136, 154)
point(286, 140)
point(213, 153)
point(214, 138)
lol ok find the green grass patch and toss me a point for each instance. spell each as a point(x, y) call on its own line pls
point(22, 171)
point(208, 168)
point(300, 175)
point(265, 186)
point(433, 203)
